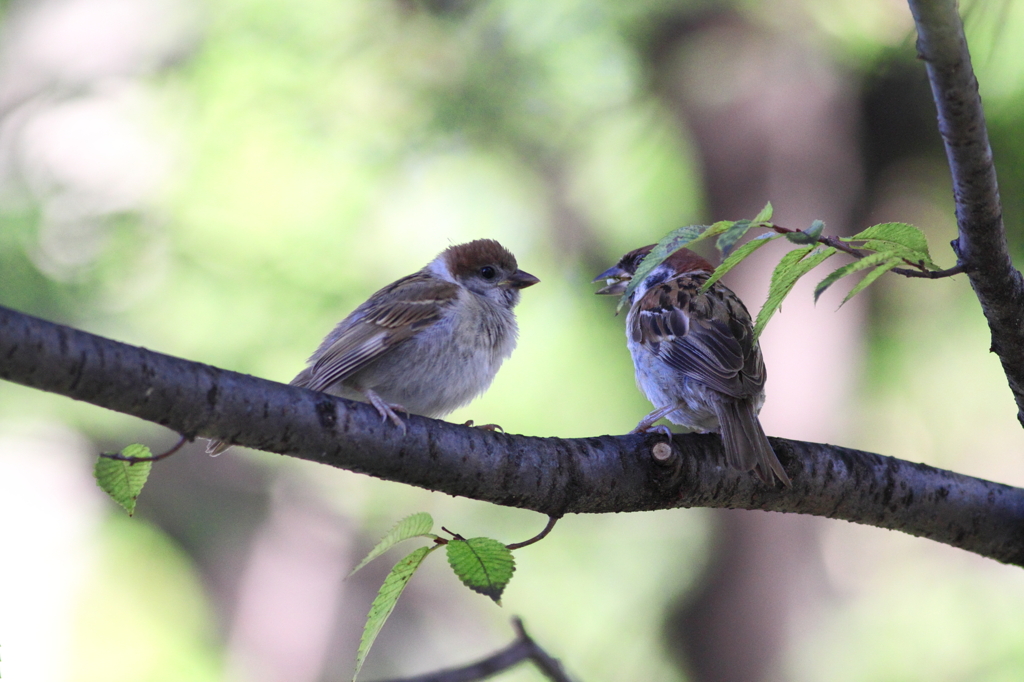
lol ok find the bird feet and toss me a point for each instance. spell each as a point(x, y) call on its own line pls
point(386, 409)
point(485, 427)
point(660, 428)
point(647, 423)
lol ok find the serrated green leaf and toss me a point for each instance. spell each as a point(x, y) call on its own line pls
point(871, 260)
point(137, 450)
point(717, 228)
point(482, 564)
point(900, 238)
point(898, 233)
point(384, 603)
point(808, 236)
point(737, 256)
point(123, 481)
point(897, 250)
point(871, 277)
point(669, 244)
point(732, 235)
point(764, 215)
point(791, 268)
point(414, 525)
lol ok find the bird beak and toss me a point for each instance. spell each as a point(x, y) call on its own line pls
point(519, 280)
point(616, 280)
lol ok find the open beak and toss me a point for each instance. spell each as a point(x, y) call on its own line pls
point(616, 280)
point(519, 280)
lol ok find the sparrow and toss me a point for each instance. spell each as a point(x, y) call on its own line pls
point(695, 356)
point(427, 343)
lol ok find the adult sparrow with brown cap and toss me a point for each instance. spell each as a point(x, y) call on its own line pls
point(427, 343)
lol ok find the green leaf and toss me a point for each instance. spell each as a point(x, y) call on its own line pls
point(808, 236)
point(791, 268)
point(384, 603)
point(669, 244)
point(732, 235)
point(902, 239)
point(482, 564)
point(765, 215)
point(717, 228)
point(886, 260)
point(871, 277)
point(415, 525)
point(898, 233)
point(123, 481)
point(738, 255)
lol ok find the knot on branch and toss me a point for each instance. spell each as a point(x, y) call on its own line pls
point(667, 460)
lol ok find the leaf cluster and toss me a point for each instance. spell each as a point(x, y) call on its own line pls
point(482, 564)
point(878, 249)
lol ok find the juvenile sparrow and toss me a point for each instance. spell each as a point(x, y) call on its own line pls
point(695, 356)
point(427, 343)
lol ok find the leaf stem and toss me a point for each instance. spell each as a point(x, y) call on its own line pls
point(455, 536)
point(155, 458)
point(552, 520)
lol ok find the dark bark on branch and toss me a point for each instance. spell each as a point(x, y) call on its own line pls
point(550, 475)
point(981, 246)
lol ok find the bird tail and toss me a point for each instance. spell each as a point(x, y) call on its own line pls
point(746, 446)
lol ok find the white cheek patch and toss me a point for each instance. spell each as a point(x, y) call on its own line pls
point(439, 269)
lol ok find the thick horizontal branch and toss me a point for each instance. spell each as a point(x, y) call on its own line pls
point(981, 245)
point(553, 476)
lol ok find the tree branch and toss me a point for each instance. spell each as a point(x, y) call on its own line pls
point(553, 476)
point(981, 245)
point(523, 649)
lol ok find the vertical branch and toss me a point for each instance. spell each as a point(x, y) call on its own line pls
point(981, 245)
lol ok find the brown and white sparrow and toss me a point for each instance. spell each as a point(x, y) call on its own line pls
point(695, 356)
point(427, 343)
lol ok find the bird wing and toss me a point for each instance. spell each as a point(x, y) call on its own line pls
point(706, 337)
point(389, 317)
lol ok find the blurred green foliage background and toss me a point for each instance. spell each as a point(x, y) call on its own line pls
point(223, 181)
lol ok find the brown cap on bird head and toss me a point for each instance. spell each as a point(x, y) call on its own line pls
point(617, 277)
point(473, 257)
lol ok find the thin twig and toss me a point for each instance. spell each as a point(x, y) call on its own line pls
point(840, 245)
point(552, 520)
point(834, 242)
point(155, 458)
point(524, 648)
point(548, 665)
point(931, 274)
point(455, 536)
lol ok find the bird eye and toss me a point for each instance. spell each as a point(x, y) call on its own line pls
point(488, 272)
